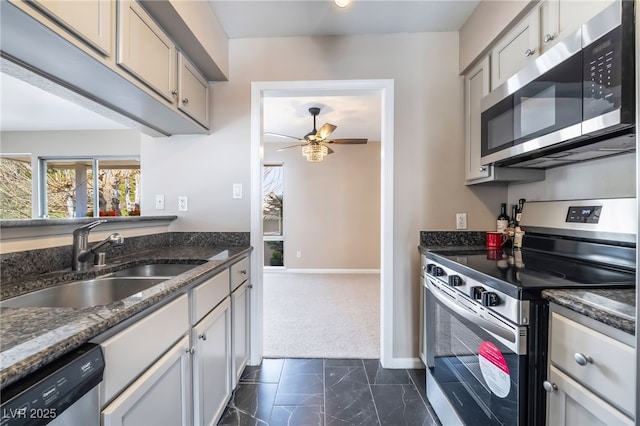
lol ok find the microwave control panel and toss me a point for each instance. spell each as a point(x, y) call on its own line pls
point(602, 75)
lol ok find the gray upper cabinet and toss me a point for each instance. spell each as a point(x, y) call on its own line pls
point(91, 20)
point(515, 50)
point(476, 86)
point(145, 50)
point(193, 91)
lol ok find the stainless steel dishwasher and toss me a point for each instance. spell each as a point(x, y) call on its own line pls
point(63, 392)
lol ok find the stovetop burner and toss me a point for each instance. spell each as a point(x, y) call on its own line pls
point(529, 270)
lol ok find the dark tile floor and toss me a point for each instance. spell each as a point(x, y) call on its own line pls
point(327, 392)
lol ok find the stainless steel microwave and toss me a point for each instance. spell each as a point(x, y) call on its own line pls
point(574, 102)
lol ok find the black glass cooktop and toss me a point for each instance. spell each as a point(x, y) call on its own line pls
point(533, 271)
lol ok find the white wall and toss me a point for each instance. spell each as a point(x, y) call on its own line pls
point(604, 178)
point(332, 208)
point(429, 148)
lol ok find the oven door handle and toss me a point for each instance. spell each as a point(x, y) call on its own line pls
point(506, 333)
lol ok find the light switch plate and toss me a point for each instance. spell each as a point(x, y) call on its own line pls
point(237, 190)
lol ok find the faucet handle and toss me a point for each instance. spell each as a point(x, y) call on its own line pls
point(88, 227)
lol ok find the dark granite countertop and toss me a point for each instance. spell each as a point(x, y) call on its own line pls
point(33, 337)
point(614, 307)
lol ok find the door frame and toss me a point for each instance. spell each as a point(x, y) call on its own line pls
point(385, 89)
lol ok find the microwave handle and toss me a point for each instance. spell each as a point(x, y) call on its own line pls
point(503, 332)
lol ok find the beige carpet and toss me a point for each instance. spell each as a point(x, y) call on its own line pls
point(321, 315)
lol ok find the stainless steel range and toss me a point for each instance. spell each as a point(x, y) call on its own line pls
point(486, 322)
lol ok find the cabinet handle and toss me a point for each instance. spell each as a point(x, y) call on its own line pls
point(529, 52)
point(191, 350)
point(202, 336)
point(483, 168)
point(174, 92)
point(548, 38)
point(582, 359)
point(185, 101)
point(243, 271)
point(549, 387)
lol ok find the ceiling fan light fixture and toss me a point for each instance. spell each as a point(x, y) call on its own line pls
point(342, 3)
point(315, 153)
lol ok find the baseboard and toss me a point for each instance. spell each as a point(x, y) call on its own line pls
point(403, 363)
point(323, 271)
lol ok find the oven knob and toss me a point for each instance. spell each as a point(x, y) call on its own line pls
point(439, 272)
point(455, 280)
point(489, 298)
point(476, 292)
point(430, 268)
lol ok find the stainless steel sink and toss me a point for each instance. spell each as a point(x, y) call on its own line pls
point(154, 270)
point(81, 294)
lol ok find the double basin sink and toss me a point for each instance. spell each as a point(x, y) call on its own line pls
point(101, 290)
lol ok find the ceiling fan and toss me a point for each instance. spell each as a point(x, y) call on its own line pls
point(314, 147)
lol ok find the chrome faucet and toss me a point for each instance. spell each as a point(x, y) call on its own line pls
point(81, 253)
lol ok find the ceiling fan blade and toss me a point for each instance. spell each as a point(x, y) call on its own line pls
point(292, 146)
point(349, 141)
point(280, 135)
point(325, 131)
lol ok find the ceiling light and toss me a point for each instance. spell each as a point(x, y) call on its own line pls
point(342, 3)
point(315, 153)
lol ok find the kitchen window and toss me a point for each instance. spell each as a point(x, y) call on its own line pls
point(272, 214)
point(15, 186)
point(89, 187)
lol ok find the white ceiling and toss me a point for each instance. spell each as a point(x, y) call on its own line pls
point(26, 107)
point(266, 18)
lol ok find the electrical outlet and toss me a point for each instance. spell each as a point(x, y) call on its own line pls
point(183, 205)
point(461, 221)
point(159, 201)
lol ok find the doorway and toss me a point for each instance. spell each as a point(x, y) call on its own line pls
point(385, 90)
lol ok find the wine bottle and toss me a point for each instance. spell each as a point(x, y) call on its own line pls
point(514, 213)
point(503, 219)
point(521, 202)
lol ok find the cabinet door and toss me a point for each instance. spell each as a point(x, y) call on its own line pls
point(91, 20)
point(159, 397)
point(515, 50)
point(476, 86)
point(572, 404)
point(193, 91)
point(574, 13)
point(240, 309)
point(212, 365)
point(145, 50)
point(549, 24)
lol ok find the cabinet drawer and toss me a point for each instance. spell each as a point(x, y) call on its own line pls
point(133, 350)
point(611, 370)
point(572, 404)
point(209, 294)
point(239, 273)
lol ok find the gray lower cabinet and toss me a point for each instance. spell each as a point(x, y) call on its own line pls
point(241, 307)
point(591, 372)
point(159, 397)
point(212, 364)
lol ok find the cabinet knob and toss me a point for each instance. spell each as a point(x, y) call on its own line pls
point(529, 52)
point(202, 336)
point(549, 387)
point(185, 101)
point(582, 359)
point(483, 168)
point(174, 92)
point(250, 286)
point(548, 38)
point(191, 350)
point(243, 271)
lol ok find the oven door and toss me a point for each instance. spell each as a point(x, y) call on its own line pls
point(477, 362)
